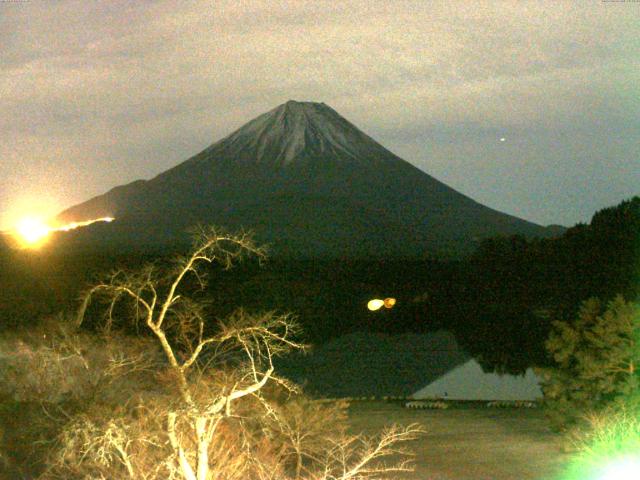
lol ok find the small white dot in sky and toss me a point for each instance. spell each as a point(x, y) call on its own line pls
point(502, 139)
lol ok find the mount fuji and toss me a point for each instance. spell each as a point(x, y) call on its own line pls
point(308, 183)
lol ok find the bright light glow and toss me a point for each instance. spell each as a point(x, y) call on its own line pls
point(74, 225)
point(375, 304)
point(623, 469)
point(32, 232)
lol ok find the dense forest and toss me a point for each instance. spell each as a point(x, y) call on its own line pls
point(499, 302)
point(516, 288)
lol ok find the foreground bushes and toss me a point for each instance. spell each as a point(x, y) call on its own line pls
point(592, 393)
point(113, 424)
point(597, 360)
point(185, 400)
point(607, 445)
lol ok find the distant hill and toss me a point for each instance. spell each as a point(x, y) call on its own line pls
point(310, 184)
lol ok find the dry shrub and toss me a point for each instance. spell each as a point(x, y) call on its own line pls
point(26, 432)
point(269, 437)
point(55, 362)
point(53, 372)
point(198, 402)
point(609, 432)
point(305, 430)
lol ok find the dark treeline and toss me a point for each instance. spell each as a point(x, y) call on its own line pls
point(499, 302)
point(515, 288)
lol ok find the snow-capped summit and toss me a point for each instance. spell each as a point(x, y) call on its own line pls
point(300, 131)
point(308, 182)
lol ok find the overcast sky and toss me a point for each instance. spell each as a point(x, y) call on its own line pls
point(94, 94)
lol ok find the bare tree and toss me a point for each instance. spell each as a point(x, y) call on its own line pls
point(316, 438)
point(355, 457)
point(160, 305)
point(214, 420)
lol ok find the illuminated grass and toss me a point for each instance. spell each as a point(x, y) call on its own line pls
point(611, 451)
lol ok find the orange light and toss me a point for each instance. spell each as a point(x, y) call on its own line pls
point(389, 302)
point(33, 232)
